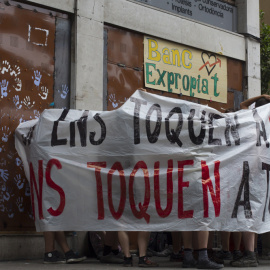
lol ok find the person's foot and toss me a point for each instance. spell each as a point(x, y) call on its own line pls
point(237, 254)
point(212, 257)
point(208, 264)
point(146, 262)
point(189, 263)
point(111, 258)
point(53, 257)
point(72, 257)
point(247, 260)
point(178, 257)
point(128, 261)
point(164, 253)
point(224, 255)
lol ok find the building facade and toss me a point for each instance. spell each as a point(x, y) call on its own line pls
point(87, 54)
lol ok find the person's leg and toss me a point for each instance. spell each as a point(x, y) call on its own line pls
point(176, 241)
point(110, 249)
point(249, 240)
point(70, 256)
point(256, 242)
point(187, 239)
point(225, 240)
point(124, 243)
point(51, 255)
point(62, 241)
point(249, 258)
point(202, 237)
point(111, 240)
point(188, 260)
point(177, 255)
point(110, 243)
point(203, 260)
point(224, 253)
point(237, 238)
point(49, 238)
point(211, 236)
point(143, 240)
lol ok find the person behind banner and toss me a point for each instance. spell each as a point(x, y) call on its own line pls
point(225, 253)
point(199, 243)
point(143, 239)
point(259, 101)
point(111, 252)
point(54, 256)
point(249, 258)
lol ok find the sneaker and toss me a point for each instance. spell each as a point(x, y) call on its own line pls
point(189, 263)
point(237, 254)
point(164, 253)
point(72, 257)
point(176, 257)
point(208, 264)
point(212, 257)
point(146, 262)
point(128, 261)
point(247, 260)
point(224, 255)
point(111, 258)
point(120, 255)
point(53, 257)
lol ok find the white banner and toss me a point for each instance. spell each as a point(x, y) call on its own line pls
point(154, 164)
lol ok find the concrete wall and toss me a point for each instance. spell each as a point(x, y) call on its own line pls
point(31, 246)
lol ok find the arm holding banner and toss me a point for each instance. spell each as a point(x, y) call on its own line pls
point(264, 99)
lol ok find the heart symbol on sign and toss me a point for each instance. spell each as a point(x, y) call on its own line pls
point(209, 59)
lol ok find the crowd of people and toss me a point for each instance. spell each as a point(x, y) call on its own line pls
point(193, 249)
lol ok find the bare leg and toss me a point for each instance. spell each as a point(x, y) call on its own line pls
point(62, 241)
point(187, 239)
point(237, 237)
point(225, 240)
point(202, 239)
point(124, 242)
point(249, 239)
point(143, 240)
point(49, 238)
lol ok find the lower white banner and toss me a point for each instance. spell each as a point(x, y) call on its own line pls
point(155, 164)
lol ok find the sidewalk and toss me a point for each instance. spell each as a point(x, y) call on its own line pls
point(92, 263)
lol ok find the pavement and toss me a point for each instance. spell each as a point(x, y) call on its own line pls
point(92, 263)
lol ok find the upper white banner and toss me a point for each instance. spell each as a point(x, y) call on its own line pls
point(154, 164)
